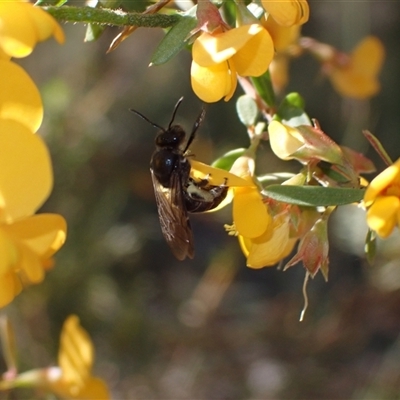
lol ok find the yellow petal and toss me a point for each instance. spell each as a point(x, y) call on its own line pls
point(211, 49)
point(287, 12)
point(367, 57)
point(250, 214)
point(17, 36)
point(22, 25)
point(244, 166)
point(382, 215)
point(270, 248)
point(389, 176)
point(216, 176)
point(94, 389)
point(76, 352)
point(75, 358)
point(283, 140)
point(29, 265)
point(282, 36)
point(358, 79)
point(279, 72)
point(44, 234)
point(212, 83)
point(349, 84)
point(10, 286)
point(3, 55)
point(45, 25)
point(9, 253)
point(25, 171)
point(304, 12)
point(256, 54)
point(24, 245)
point(233, 80)
point(19, 97)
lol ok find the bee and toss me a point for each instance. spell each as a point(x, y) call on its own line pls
point(175, 191)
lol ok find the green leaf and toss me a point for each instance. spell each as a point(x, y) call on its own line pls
point(247, 110)
point(291, 111)
point(229, 11)
point(174, 41)
point(226, 161)
point(313, 196)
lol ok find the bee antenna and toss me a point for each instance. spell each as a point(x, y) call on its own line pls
point(146, 119)
point(175, 110)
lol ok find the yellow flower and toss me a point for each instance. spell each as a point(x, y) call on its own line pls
point(218, 57)
point(250, 214)
point(304, 143)
point(271, 247)
point(72, 379)
point(26, 241)
point(382, 198)
point(19, 97)
point(264, 240)
point(22, 25)
point(285, 141)
point(287, 12)
point(75, 359)
point(356, 76)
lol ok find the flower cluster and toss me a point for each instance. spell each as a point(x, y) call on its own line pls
point(257, 45)
point(27, 241)
point(220, 53)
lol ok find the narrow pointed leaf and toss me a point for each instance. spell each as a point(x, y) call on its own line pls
point(313, 196)
point(174, 41)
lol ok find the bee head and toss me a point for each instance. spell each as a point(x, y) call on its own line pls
point(172, 137)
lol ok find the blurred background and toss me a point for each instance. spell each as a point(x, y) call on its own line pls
point(207, 328)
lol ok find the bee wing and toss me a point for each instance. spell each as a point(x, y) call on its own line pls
point(174, 220)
